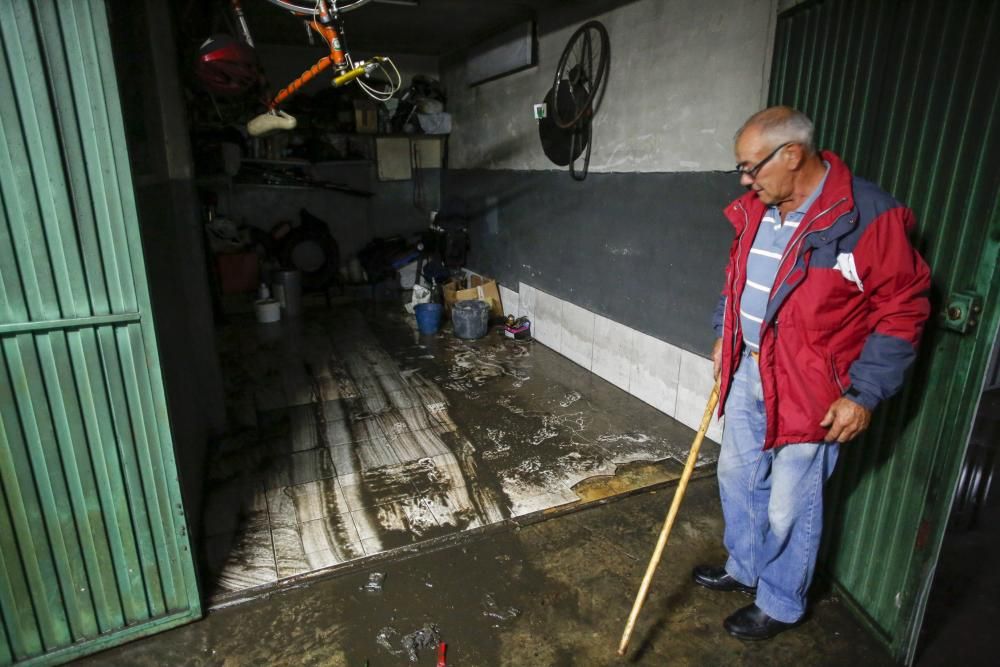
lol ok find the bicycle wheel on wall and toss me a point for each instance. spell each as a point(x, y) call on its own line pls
point(563, 145)
point(583, 66)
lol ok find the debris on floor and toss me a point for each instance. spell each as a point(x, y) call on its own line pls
point(374, 585)
point(569, 399)
point(493, 610)
point(386, 637)
point(428, 636)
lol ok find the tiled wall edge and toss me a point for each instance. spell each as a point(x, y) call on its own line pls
point(684, 401)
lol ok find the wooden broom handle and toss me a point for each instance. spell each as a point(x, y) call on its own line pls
point(640, 599)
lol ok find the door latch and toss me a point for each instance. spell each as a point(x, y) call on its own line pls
point(961, 312)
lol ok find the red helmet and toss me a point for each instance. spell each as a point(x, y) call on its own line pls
point(226, 66)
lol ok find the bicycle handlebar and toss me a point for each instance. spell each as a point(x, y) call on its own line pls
point(311, 9)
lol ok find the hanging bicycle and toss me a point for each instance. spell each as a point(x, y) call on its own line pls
point(325, 19)
point(580, 81)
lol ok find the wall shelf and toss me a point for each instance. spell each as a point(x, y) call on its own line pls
point(304, 163)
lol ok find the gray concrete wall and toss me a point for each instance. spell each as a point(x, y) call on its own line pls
point(642, 240)
point(645, 250)
point(684, 75)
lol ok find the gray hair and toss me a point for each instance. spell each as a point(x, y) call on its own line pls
point(781, 125)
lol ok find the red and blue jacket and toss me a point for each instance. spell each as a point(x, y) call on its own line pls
point(847, 307)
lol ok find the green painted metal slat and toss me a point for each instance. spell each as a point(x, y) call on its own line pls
point(62, 79)
point(893, 172)
point(6, 652)
point(12, 306)
point(74, 455)
point(112, 182)
point(145, 436)
point(96, 415)
point(839, 60)
point(28, 515)
point(19, 623)
point(28, 243)
point(910, 103)
point(71, 323)
point(93, 537)
point(45, 164)
point(46, 471)
point(122, 420)
point(872, 40)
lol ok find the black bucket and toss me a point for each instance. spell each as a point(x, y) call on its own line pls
point(470, 318)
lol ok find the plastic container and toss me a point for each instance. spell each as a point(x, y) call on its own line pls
point(428, 317)
point(268, 310)
point(355, 272)
point(291, 291)
point(408, 275)
point(470, 318)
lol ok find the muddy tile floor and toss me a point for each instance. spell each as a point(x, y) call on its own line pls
point(355, 436)
point(553, 593)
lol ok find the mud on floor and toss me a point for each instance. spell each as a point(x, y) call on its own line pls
point(360, 436)
point(571, 579)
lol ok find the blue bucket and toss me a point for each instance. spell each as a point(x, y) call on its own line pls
point(428, 317)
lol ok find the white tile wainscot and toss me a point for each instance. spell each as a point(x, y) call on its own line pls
point(673, 380)
point(613, 355)
point(577, 341)
point(655, 369)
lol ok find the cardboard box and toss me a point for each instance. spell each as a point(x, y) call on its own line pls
point(365, 117)
point(483, 289)
point(449, 289)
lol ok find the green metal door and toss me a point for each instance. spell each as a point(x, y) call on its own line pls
point(908, 92)
point(93, 540)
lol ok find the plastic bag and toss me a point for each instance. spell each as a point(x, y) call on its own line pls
point(420, 295)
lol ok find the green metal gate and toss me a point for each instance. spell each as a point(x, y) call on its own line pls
point(907, 92)
point(93, 540)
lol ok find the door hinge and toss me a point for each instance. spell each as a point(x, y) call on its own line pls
point(961, 311)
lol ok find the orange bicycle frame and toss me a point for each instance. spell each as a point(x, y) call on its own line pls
point(324, 27)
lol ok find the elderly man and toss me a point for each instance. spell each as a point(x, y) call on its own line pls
point(821, 312)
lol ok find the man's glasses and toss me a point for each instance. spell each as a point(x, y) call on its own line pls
point(754, 170)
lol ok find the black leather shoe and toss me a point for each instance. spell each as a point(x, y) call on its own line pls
point(717, 579)
point(751, 622)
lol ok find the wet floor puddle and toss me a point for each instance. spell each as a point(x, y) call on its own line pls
point(368, 437)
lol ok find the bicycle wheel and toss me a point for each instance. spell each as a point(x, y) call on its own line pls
point(583, 66)
point(563, 145)
point(306, 7)
point(582, 134)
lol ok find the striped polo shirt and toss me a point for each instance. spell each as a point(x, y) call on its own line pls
point(762, 265)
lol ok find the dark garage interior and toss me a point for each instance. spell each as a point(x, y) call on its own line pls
point(394, 353)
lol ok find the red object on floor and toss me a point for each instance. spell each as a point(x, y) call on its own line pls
point(237, 272)
point(442, 649)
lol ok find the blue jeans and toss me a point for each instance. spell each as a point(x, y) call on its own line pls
point(772, 502)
